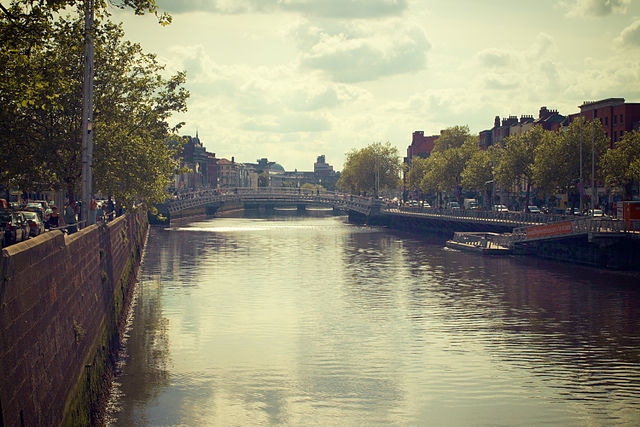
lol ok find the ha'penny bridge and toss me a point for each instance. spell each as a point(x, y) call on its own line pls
point(600, 242)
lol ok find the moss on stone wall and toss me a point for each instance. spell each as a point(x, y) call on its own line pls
point(86, 402)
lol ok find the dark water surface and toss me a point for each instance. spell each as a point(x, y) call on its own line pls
point(313, 321)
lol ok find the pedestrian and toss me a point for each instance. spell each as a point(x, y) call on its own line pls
point(99, 212)
point(92, 212)
point(109, 209)
point(70, 217)
point(54, 218)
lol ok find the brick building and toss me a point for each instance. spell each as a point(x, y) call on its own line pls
point(616, 116)
point(549, 119)
point(421, 146)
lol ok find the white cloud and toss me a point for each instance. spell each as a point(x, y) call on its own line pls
point(630, 36)
point(493, 57)
point(300, 122)
point(596, 7)
point(362, 52)
point(323, 8)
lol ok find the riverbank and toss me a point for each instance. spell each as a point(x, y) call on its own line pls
point(62, 298)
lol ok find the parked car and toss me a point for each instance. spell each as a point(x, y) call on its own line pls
point(453, 205)
point(36, 225)
point(500, 208)
point(596, 212)
point(15, 227)
point(46, 209)
point(533, 209)
point(37, 207)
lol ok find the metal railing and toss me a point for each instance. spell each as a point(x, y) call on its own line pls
point(485, 215)
point(183, 201)
point(481, 240)
point(578, 226)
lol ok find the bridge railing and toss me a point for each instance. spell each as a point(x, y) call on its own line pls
point(578, 226)
point(193, 199)
point(517, 217)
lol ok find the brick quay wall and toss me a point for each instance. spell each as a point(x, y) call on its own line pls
point(61, 307)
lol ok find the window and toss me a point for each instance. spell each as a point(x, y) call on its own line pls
point(621, 119)
point(615, 136)
point(606, 121)
point(615, 119)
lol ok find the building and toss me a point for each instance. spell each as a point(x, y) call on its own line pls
point(524, 125)
point(321, 167)
point(549, 119)
point(227, 176)
point(193, 157)
point(617, 117)
point(421, 146)
point(212, 170)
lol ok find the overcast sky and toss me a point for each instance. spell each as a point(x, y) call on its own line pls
point(293, 79)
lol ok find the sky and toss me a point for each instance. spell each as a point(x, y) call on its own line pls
point(294, 79)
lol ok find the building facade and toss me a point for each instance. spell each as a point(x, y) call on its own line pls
point(616, 115)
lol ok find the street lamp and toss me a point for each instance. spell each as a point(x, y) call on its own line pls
point(87, 116)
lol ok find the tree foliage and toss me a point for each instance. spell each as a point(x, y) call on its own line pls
point(557, 159)
point(371, 169)
point(416, 172)
point(477, 173)
point(516, 165)
point(452, 137)
point(443, 172)
point(621, 165)
point(40, 115)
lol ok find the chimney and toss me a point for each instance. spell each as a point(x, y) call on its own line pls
point(232, 159)
point(544, 113)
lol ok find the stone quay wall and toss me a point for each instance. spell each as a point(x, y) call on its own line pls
point(61, 304)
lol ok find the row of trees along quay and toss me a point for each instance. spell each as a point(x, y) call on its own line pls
point(42, 125)
point(549, 162)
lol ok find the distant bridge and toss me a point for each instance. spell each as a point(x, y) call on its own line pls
point(599, 242)
point(449, 219)
point(273, 196)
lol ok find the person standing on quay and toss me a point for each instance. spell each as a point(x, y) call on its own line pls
point(70, 217)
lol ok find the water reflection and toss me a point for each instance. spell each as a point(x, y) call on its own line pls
point(312, 321)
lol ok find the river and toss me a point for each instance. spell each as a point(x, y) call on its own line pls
point(292, 320)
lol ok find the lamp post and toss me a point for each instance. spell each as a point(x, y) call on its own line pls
point(593, 168)
point(87, 115)
point(580, 184)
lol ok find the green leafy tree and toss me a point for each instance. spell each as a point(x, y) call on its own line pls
point(134, 154)
point(516, 165)
point(445, 166)
point(415, 173)
point(452, 137)
point(371, 169)
point(557, 159)
point(263, 179)
point(621, 165)
point(478, 172)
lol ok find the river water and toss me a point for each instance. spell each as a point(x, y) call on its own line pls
point(302, 321)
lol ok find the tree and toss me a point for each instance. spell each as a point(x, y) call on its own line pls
point(621, 165)
point(452, 137)
point(263, 179)
point(557, 159)
point(371, 169)
point(478, 172)
point(517, 159)
point(416, 172)
point(135, 155)
point(444, 167)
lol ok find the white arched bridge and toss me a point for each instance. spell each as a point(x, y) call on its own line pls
point(273, 196)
